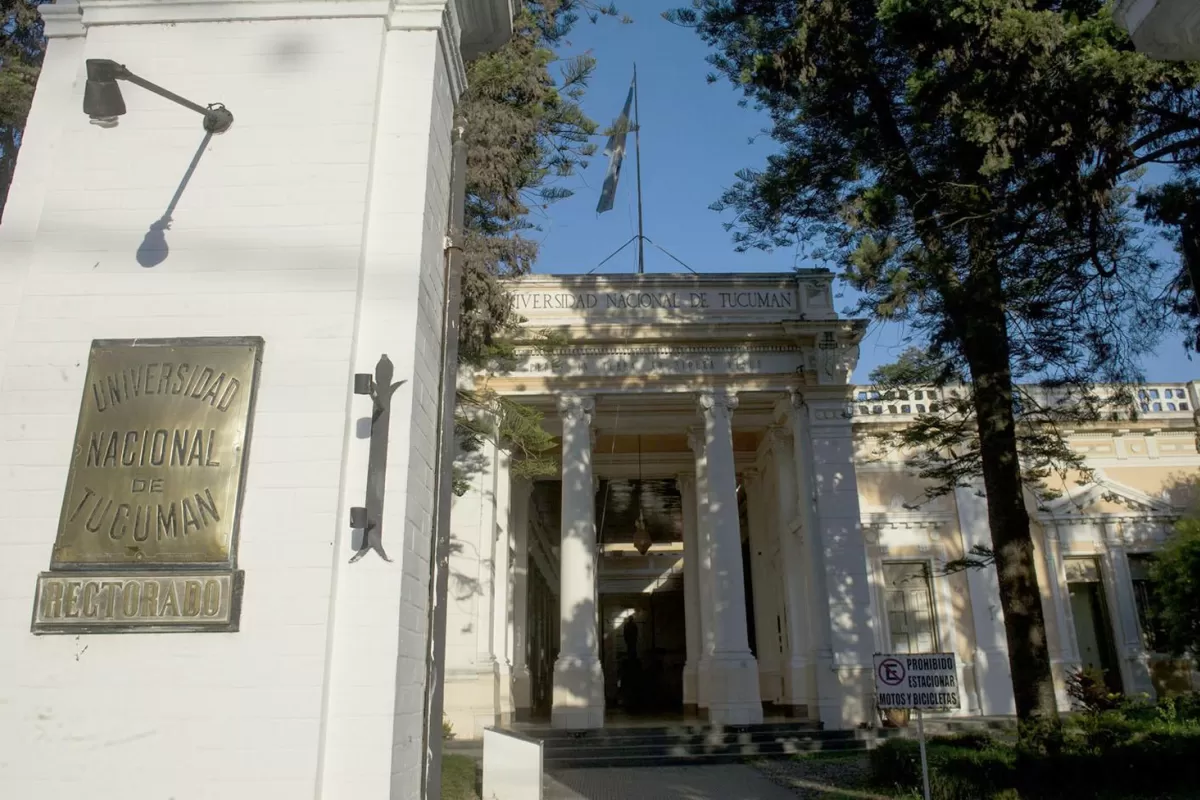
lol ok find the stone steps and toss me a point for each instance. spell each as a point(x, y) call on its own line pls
point(683, 745)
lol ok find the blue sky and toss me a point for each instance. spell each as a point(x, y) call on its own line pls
point(694, 138)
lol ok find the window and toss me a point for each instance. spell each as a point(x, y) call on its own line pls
point(908, 598)
point(1153, 635)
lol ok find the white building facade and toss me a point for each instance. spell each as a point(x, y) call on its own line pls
point(315, 227)
point(728, 540)
point(1166, 29)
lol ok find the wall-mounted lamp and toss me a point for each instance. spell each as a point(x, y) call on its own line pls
point(103, 103)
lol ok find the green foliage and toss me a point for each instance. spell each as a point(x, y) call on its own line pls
point(21, 49)
point(1113, 753)
point(447, 729)
point(460, 778)
point(1089, 691)
point(526, 133)
point(961, 768)
point(1176, 581)
point(970, 167)
point(913, 367)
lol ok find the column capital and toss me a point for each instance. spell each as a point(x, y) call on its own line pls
point(716, 402)
point(830, 412)
point(751, 474)
point(576, 408)
point(521, 487)
point(779, 436)
point(695, 437)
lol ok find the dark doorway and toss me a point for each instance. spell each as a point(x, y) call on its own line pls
point(1093, 626)
point(644, 648)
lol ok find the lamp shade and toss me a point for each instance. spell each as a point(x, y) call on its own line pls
point(102, 100)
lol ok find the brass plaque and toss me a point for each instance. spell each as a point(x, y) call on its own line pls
point(160, 451)
point(104, 602)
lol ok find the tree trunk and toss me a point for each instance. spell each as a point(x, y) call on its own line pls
point(984, 334)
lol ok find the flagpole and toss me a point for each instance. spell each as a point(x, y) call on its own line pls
point(637, 145)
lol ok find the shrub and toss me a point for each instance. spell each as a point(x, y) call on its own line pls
point(1176, 573)
point(447, 729)
point(1104, 754)
point(1089, 691)
point(965, 766)
point(896, 764)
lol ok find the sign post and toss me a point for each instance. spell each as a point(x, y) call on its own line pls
point(917, 681)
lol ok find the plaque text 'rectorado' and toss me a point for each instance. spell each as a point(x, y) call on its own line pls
point(156, 474)
point(83, 602)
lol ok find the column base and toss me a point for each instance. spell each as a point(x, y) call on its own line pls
point(798, 680)
point(691, 710)
point(846, 696)
point(578, 693)
point(505, 702)
point(735, 697)
point(770, 684)
point(995, 683)
point(703, 683)
point(691, 684)
point(470, 704)
point(522, 688)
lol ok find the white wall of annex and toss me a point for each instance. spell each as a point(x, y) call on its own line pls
point(283, 223)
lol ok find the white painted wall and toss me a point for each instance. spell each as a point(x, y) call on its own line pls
point(317, 223)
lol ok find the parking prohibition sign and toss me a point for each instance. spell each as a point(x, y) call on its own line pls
point(924, 680)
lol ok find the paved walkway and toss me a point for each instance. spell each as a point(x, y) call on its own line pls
point(718, 782)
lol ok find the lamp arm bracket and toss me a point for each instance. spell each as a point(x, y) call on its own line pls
point(217, 118)
point(125, 74)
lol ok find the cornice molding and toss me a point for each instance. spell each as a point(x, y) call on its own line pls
point(142, 12)
point(67, 18)
point(62, 19)
point(656, 349)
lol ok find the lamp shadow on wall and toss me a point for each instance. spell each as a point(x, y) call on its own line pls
point(154, 249)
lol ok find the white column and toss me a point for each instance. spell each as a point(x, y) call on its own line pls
point(841, 579)
point(1067, 656)
point(1127, 631)
point(519, 630)
point(992, 670)
point(704, 582)
point(485, 598)
point(578, 674)
point(691, 592)
point(735, 697)
point(765, 590)
point(501, 576)
point(799, 675)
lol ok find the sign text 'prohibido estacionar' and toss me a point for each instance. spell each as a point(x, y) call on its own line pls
point(917, 680)
point(147, 535)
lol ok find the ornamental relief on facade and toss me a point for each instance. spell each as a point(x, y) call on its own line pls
point(601, 362)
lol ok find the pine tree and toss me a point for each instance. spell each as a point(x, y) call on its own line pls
point(968, 166)
point(526, 133)
point(21, 49)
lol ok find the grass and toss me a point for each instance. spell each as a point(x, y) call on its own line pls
point(458, 778)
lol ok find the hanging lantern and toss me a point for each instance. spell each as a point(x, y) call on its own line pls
point(641, 536)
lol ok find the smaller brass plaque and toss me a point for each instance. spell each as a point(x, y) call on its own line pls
point(115, 602)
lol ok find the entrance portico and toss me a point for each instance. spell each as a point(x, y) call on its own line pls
point(728, 394)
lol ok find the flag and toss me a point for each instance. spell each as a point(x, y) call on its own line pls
point(615, 150)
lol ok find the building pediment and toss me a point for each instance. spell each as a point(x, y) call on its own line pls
point(1105, 497)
